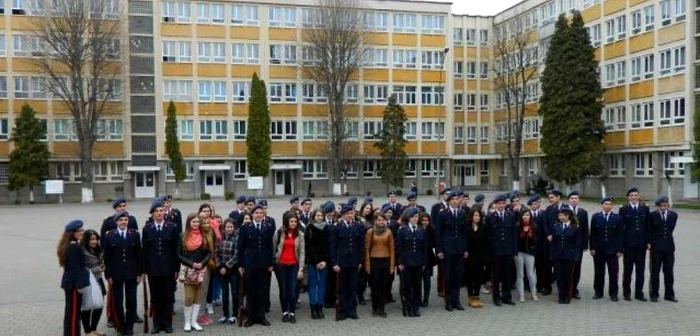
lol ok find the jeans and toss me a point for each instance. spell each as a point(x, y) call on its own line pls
point(525, 263)
point(288, 281)
point(214, 292)
point(229, 285)
point(317, 285)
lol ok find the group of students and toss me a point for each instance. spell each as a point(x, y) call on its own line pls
point(334, 252)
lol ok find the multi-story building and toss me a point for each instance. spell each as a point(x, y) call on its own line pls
point(201, 55)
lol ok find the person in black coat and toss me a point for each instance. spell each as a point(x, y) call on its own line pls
point(435, 209)
point(75, 275)
point(172, 215)
point(347, 253)
point(316, 240)
point(663, 223)
point(635, 222)
point(432, 259)
point(551, 214)
point(412, 257)
point(582, 216)
point(451, 247)
point(566, 238)
point(160, 241)
point(240, 209)
point(305, 212)
point(479, 253)
point(119, 206)
point(255, 255)
point(542, 245)
point(606, 244)
point(124, 267)
point(503, 236)
point(396, 207)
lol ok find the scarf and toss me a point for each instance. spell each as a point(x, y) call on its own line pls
point(379, 230)
point(529, 234)
point(319, 225)
point(194, 240)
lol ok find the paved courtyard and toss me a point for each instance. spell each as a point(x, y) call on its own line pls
point(31, 301)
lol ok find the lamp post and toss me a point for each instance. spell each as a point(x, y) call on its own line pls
point(444, 93)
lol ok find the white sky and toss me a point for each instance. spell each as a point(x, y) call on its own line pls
point(479, 7)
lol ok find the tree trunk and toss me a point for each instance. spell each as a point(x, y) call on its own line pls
point(86, 171)
point(603, 192)
point(670, 192)
point(31, 194)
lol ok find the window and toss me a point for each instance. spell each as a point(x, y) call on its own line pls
point(459, 134)
point(27, 46)
point(283, 54)
point(471, 134)
point(206, 130)
point(471, 70)
point(679, 59)
point(210, 13)
point(672, 111)
point(610, 30)
point(471, 102)
point(3, 87)
point(615, 118)
point(532, 92)
point(616, 165)
point(484, 102)
point(642, 115)
point(372, 169)
point(240, 170)
point(484, 70)
point(68, 171)
point(458, 102)
point(410, 168)
point(649, 18)
point(376, 58)
point(621, 72)
point(411, 132)
point(548, 14)
point(595, 35)
point(405, 58)
point(372, 130)
point(351, 94)
point(4, 129)
point(483, 36)
point(184, 52)
point(240, 92)
point(220, 130)
point(282, 17)
point(433, 59)
point(352, 130)
point(470, 36)
point(404, 23)
point(176, 12)
point(458, 69)
point(433, 24)
point(642, 67)
point(107, 130)
point(283, 93)
point(636, 22)
point(239, 130)
point(205, 93)
point(429, 168)
point(680, 10)
point(458, 36)
point(108, 171)
point(484, 135)
point(621, 23)
point(312, 17)
point(671, 168)
point(405, 95)
point(177, 90)
point(665, 12)
point(283, 130)
point(315, 130)
point(314, 169)
point(185, 129)
point(432, 95)
point(426, 130)
point(189, 173)
point(378, 22)
point(643, 165)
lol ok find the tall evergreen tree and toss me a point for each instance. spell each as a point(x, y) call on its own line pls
point(258, 133)
point(172, 147)
point(392, 144)
point(571, 105)
point(29, 159)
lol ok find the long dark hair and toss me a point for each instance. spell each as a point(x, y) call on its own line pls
point(206, 205)
point(573, 219)
point(369, 218)
point(63, 244)
point(425, 215)
point(312, 215)
point(471, 217)
point(285, 223)
point(86, 242)
point(521, 225)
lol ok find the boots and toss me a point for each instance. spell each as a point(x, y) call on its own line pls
point(188, 318)
point(195, 314)
point(471, 303)
point(478, 303)
point(319, 311)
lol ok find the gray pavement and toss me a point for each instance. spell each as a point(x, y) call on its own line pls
point(31, 301)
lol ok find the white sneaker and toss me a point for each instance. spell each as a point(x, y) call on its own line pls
point(222, 320)
point(534, 297)
point(232, 320)
point(210, 309)
point(485, 290)
point(522, 298)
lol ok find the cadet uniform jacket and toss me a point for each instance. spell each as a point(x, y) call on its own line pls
point(108, 224)
point(566, 242)
point(412, 246)
point(347, 244)
point(606, 235)
point(75, 274)
point(123, 256)
point(661, 231)
point(255, 248)
point(160, 256)
point(635, 224)
point(503, 233)
point(451, 232)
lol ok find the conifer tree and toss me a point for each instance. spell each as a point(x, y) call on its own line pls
point(258, 133)
point(392, 144)
point(172, 146)
point(29, 159)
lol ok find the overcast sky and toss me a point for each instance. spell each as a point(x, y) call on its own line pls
point(479, 7)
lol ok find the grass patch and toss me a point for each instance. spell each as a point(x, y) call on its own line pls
point(687, 206)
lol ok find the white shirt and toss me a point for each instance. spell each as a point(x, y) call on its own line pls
point(122, 233)
point(159, 226)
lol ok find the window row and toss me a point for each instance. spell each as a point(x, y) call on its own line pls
point(65, 130)
point(98, 8)
point(530, 130)
point(470, 99)
point(34, 87)
point(35, 46)
point(644, 164)
point(469, 69)
point(671, 62)
point(642, 115)
point(467, 37)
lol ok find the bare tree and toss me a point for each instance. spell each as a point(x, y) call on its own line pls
point(77, 44)
point(336, 38)
point(516, 64)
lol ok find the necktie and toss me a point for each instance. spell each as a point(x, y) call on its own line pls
point(663, 215)
point(500, 214)
point(606, 217)
point(257, 227)
point(413, 229)
point(123, 234)
point(159, 228)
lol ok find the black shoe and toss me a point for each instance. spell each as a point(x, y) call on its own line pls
point(458, 306)
point(137, 319)
point(640, 298)
point(416, 313)
point(409, 313)
point(129, 333)
point(314, 313)
point(285, 318)
point(671, 299)
point(354, 317)
point(497, 302)
point(509, 302)
point(567, 301)
point(424, 303)
point(614, 298)
point(375, 313)
point(168, 330)
point(110, 324)
point(627, 298)
point(654, 299)
point(390, 299)
point(382, 313)
point(265, 322)
point(320, 313)
point(155, 330)
point(292, 319)
point(597, 297)
point(561, 301)
point(329, 305)
point(540, 291)
point(576, 295)
point(547, 292)
point(448, 307)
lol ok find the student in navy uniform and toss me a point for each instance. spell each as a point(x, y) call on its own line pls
point(124, 266)
point(663, 223)
point(161, 261)
point(347, 251)
point(551, 214)
point(451, 247)
point(240, 209)
point(330, 219)
point(566, 242)
point(171, 214)
point(75, 275)
point(119, 206)
point(515, 206)
point(248, 205)
point(412, 199)
point(305, 213)
point(582, 216)
point(542, 245)
point(294, 204)
point(606, 242)
point(635, 221)
point(412, 257)
point(503, 236)
point(479, 201)
point(395, 206)
point(255, 255)
point(435, 209)
point(266, 217)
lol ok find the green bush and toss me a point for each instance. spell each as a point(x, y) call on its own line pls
point(429, 192)
point(230, 195)
point(205, 197)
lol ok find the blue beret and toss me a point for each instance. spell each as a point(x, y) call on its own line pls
point(573, 193)
point(294, 199)
point(118, 201)
point(460, 193)
point(168, 197)
point(391, 193)
point(369, 200)
point(499, 198)
point(256, 207)
point(240, 199)
point(533, 199)
point(661, 200)
point(412, 196)
point(386, 208)
point(565, 208)
point(157, 203)
point(250, 199)
point(452, 194)
point(631, 190)
point(606, 199)
point(164, 199)
point(346, 208)
point(479, 198)
point(74, 225)
point(262, 202)
point(465, 194)
point(413, 211)
point(514, 193)
point(306, 200)
point(120, 215)
point(555, 192)
point(329, 207)
point(446, 190)
point(352, 200)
